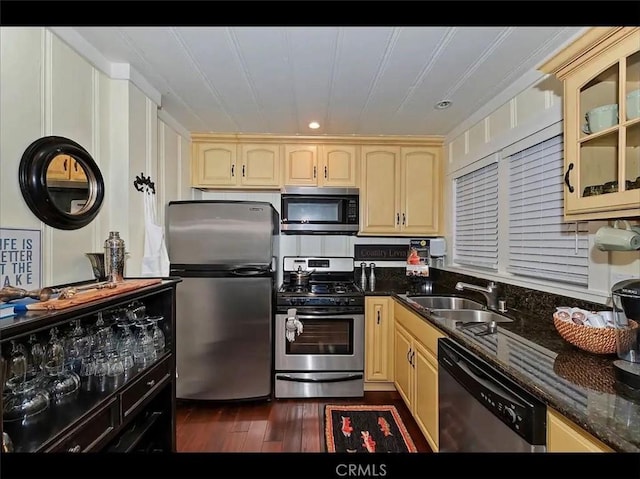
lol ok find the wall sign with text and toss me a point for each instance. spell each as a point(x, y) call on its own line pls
point(20, 258)
point(380, 252)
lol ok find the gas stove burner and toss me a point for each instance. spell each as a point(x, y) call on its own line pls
point(320, 288)
point(340, 289)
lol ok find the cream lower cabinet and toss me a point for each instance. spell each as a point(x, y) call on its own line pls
point(233, 165)
point(416, 369)
point(565, 436)
point(378, 358)
point(400, 190)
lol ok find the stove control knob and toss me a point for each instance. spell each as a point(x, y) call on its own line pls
point(510, 414)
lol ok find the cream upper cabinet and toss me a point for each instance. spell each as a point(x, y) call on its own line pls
point(77, 173)
point(214, 164)
point(301, 165)
point(324, 165)
point(233, 165)
point(260, 165)
point(59, 168)
point(420, 190)
point(65, 168)
point(400, 192)
point(378, 361)
point(380, 190)
point(601, 76)
point(338, 166)
point(565, 436)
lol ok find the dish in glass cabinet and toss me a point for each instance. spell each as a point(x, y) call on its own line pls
point(633, 105)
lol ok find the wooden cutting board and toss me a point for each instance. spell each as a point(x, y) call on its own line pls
point(89, 295)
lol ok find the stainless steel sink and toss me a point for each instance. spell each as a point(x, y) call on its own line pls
point(445, 302)
point(470, 316)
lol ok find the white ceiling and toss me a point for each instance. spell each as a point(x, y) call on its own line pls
point(352, 80)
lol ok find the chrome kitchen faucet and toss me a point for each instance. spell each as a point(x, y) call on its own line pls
point(490, 292)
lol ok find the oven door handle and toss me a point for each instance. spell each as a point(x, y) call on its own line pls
point(335, 315)
point(338, 379)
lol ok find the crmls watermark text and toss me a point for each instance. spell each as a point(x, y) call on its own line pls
point(361, 470)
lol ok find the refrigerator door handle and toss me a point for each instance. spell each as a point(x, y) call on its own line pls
point(249, 271)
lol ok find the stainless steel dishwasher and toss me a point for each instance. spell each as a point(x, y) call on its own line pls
point(481, 409)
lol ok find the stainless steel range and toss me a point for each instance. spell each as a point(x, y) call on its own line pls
point(319, 329)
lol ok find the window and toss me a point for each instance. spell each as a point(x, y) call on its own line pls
point(476, 222)
point(541, 244)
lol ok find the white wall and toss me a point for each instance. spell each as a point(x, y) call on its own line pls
point(47, 88)
point(537, 107)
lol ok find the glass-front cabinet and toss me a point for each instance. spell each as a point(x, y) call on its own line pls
point(601, 75)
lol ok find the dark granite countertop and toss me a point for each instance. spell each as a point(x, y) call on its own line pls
point(579, 385)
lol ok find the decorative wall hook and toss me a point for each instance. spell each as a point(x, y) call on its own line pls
point(144, 184)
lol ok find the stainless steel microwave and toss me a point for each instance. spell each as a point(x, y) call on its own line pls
point(309, 210)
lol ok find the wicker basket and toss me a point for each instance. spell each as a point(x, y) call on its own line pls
point(592, 339)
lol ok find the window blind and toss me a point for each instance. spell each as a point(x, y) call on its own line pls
point(476, 235)
point(541, 244)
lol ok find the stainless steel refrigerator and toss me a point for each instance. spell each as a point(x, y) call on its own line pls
point(226, 254)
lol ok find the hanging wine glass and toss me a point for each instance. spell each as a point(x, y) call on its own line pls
point(17, 366)
point(58, 382)
point(76, 347)
point(126, 345)
point(136, 311)
point(37, 351)
point(144, 353)
point(156, 334)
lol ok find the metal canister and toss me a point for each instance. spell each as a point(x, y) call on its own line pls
point(114, 255)
point(372, 277)
point(363, 276)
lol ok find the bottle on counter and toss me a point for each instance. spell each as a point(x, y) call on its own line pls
point(372, 277)
point(363, 276)
point(114, 255)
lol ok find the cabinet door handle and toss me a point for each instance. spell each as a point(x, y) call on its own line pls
point(413, 354)
point(314, 171)
point(75, 165)
point(325, 172)
point(151, 383)
point(566, 178)
point(64, 165)
point(243, 170)
point(233, 168)
point(75, 448)
point(404, 219)
point(409, 356)
point(378, 317)
point(397, 218)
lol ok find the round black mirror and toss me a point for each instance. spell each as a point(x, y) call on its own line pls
point(61, 182)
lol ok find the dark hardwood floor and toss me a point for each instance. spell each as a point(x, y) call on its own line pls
point(280, 425)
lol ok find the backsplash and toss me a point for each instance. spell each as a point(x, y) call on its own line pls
point(518, 298)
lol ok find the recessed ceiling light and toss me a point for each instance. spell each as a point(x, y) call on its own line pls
point(441, 105)
point(314, 125)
